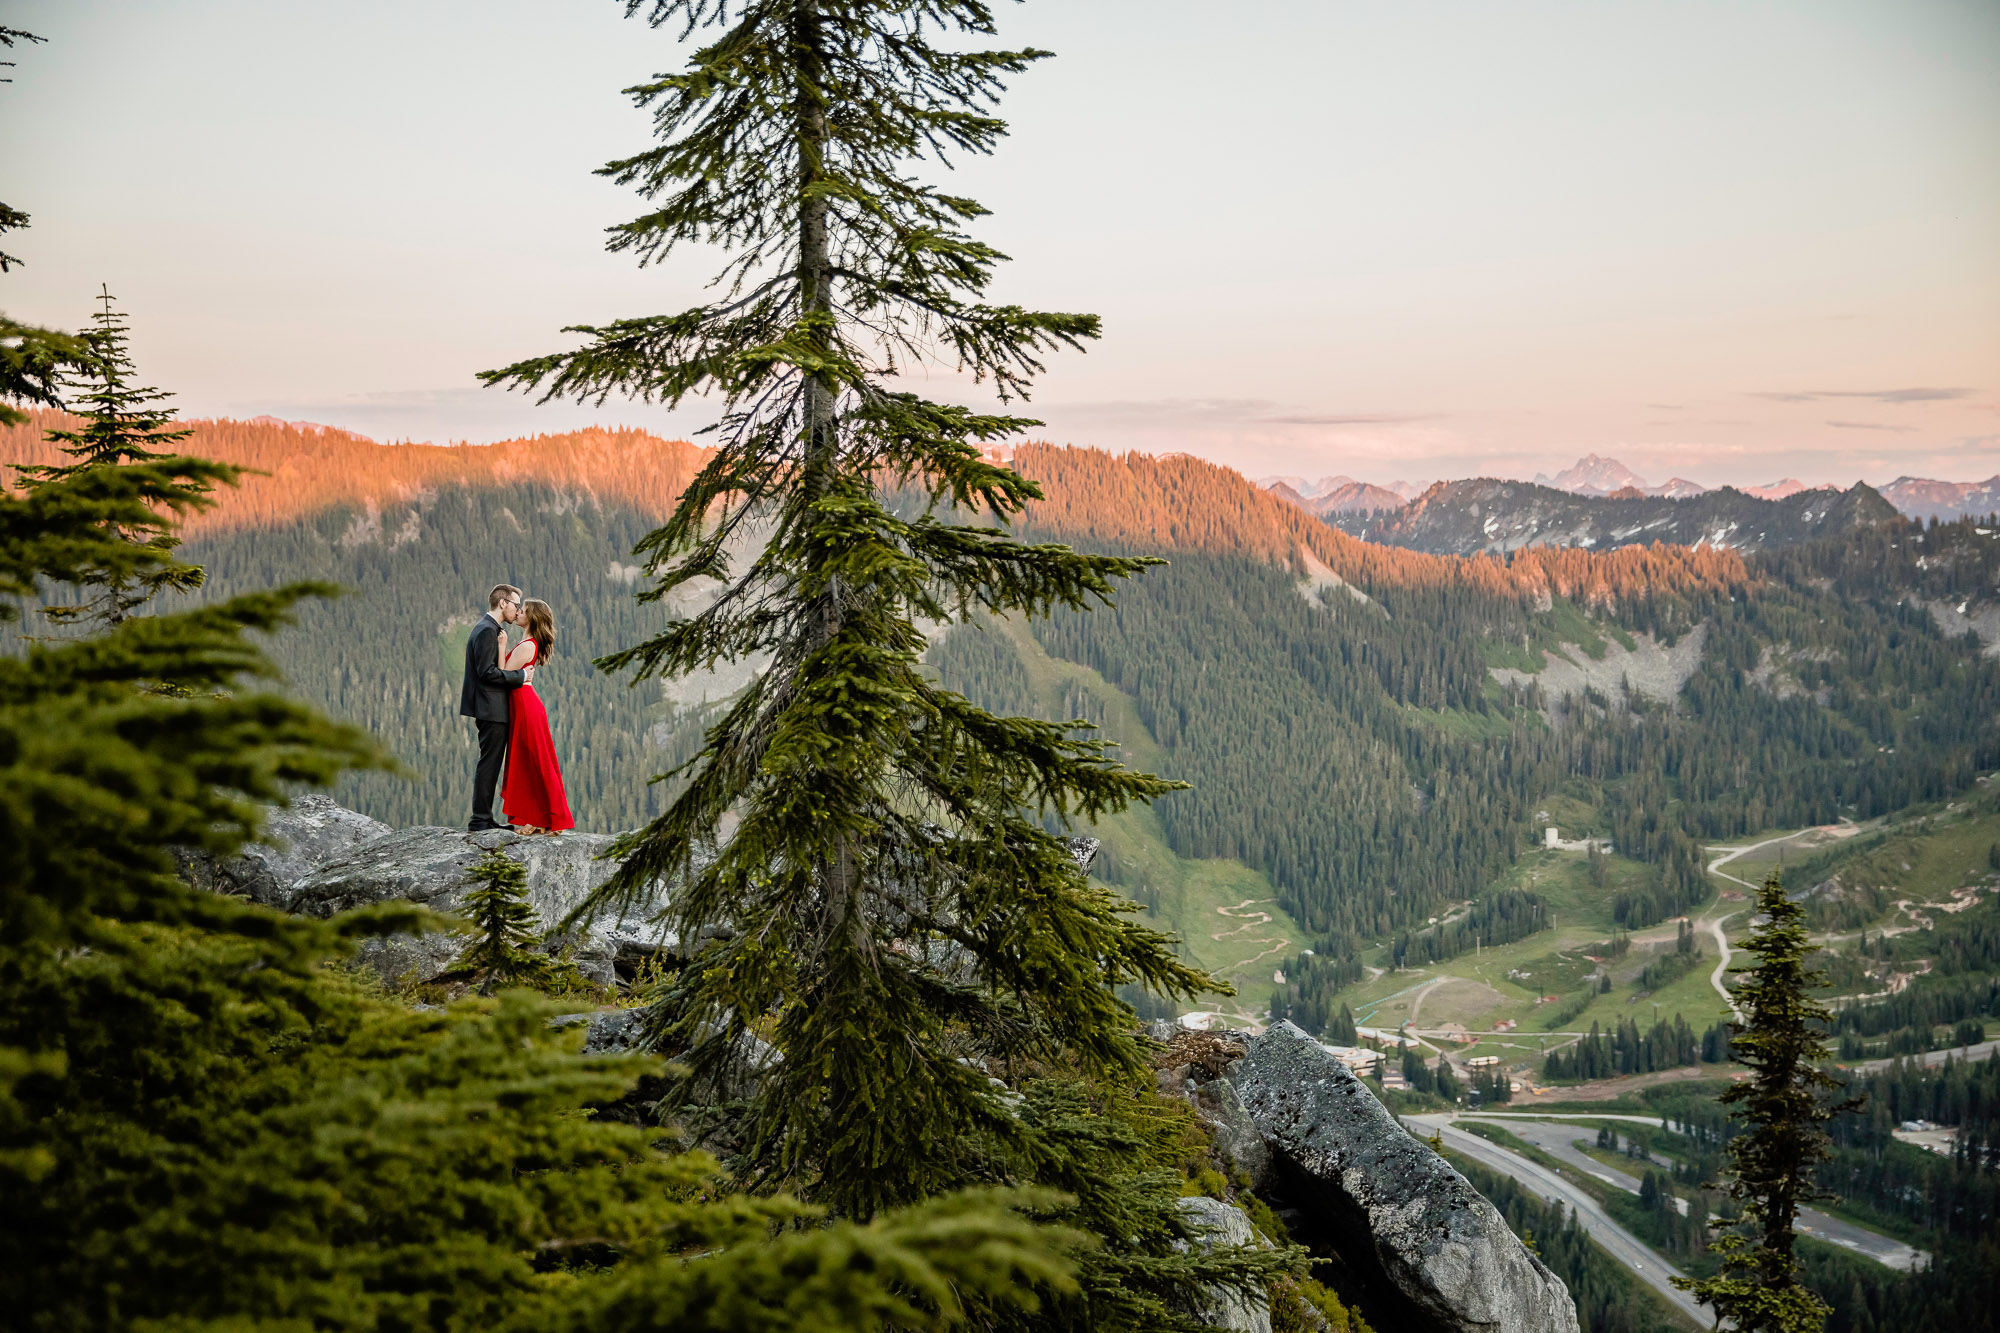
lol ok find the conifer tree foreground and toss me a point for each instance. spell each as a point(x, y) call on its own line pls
point(123, 425)
point(1781, 1038)
point(889, 912)
point(502, 952)
point(205, 1127)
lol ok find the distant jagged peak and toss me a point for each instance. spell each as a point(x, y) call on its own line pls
point(1343, 494)
point(1594, 475)
point(1356, 497)
point(1779, 490)
point(1307, 490)
point(1679, 488)
point(1334, 495)
point(1925, 497)
point(1283, 488)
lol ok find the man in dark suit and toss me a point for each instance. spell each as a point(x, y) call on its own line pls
point(484, 698)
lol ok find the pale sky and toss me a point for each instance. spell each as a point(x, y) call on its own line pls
point(1726, 241)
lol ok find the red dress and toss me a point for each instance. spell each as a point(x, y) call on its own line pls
point(533, 794)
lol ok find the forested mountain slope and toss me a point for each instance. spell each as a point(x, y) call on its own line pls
point(1358, 749)
point(302, 470)
point(1467, 517)
point(1178, 503)
point(1333, 702)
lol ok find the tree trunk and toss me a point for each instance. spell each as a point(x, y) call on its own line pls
point(838, 874)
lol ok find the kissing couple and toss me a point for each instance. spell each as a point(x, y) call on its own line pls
point(499, 695)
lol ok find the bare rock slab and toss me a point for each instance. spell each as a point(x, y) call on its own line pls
point(433, 867)
point(1395, 1210)
point(296, 840)
point(1219, 1225)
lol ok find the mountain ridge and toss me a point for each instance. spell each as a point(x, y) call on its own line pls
point(1486, 515)
point(299, 468)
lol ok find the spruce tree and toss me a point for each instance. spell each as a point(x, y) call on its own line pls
point(123, 422)
point(1781, 1038)
point(889, 912)
point(503, 949)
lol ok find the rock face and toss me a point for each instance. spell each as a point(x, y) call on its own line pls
point(607, 1033)
point(1218, 1225)
point(299, 838)
point(1436, 1248)
point(1237, 1141)
point(433, 866)
point(319, 859)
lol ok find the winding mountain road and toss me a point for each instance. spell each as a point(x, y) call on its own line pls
point(1616, 1241)
point(1714, 924)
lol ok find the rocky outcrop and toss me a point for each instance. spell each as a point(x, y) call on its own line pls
point(318, 859)
point(607, 1032)
point(1423, 1238)
point(1219, 1225)
point(433, 867)
point(1648, 668)
point(1239, 1146)
point(297, 839)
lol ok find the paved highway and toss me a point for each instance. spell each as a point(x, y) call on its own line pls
point(1959, 1053)
point(1619, 1243)
point(1557, 1141)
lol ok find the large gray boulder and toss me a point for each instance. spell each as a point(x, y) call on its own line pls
point(296, 840)
point(1393, 1208)
point(1219, 1225)
point(1238, 1144)
point(433, 867)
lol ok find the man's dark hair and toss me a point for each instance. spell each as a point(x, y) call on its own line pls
point(500, 594)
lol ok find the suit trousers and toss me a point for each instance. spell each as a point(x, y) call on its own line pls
point(493, 737)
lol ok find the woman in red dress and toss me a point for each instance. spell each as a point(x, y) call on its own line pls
point(533, 794)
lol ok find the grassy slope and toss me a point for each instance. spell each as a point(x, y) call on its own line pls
point(1921, 856)
point(1550, 962)
point(1225, 913)
point(1926, 854)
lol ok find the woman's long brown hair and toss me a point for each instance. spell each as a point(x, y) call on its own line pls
point(541, 626)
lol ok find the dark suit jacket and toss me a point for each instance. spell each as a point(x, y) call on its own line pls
point(486, 685)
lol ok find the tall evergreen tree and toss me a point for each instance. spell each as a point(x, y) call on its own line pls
point(889, 910)
point(122, 423)
point(1781, 1040)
